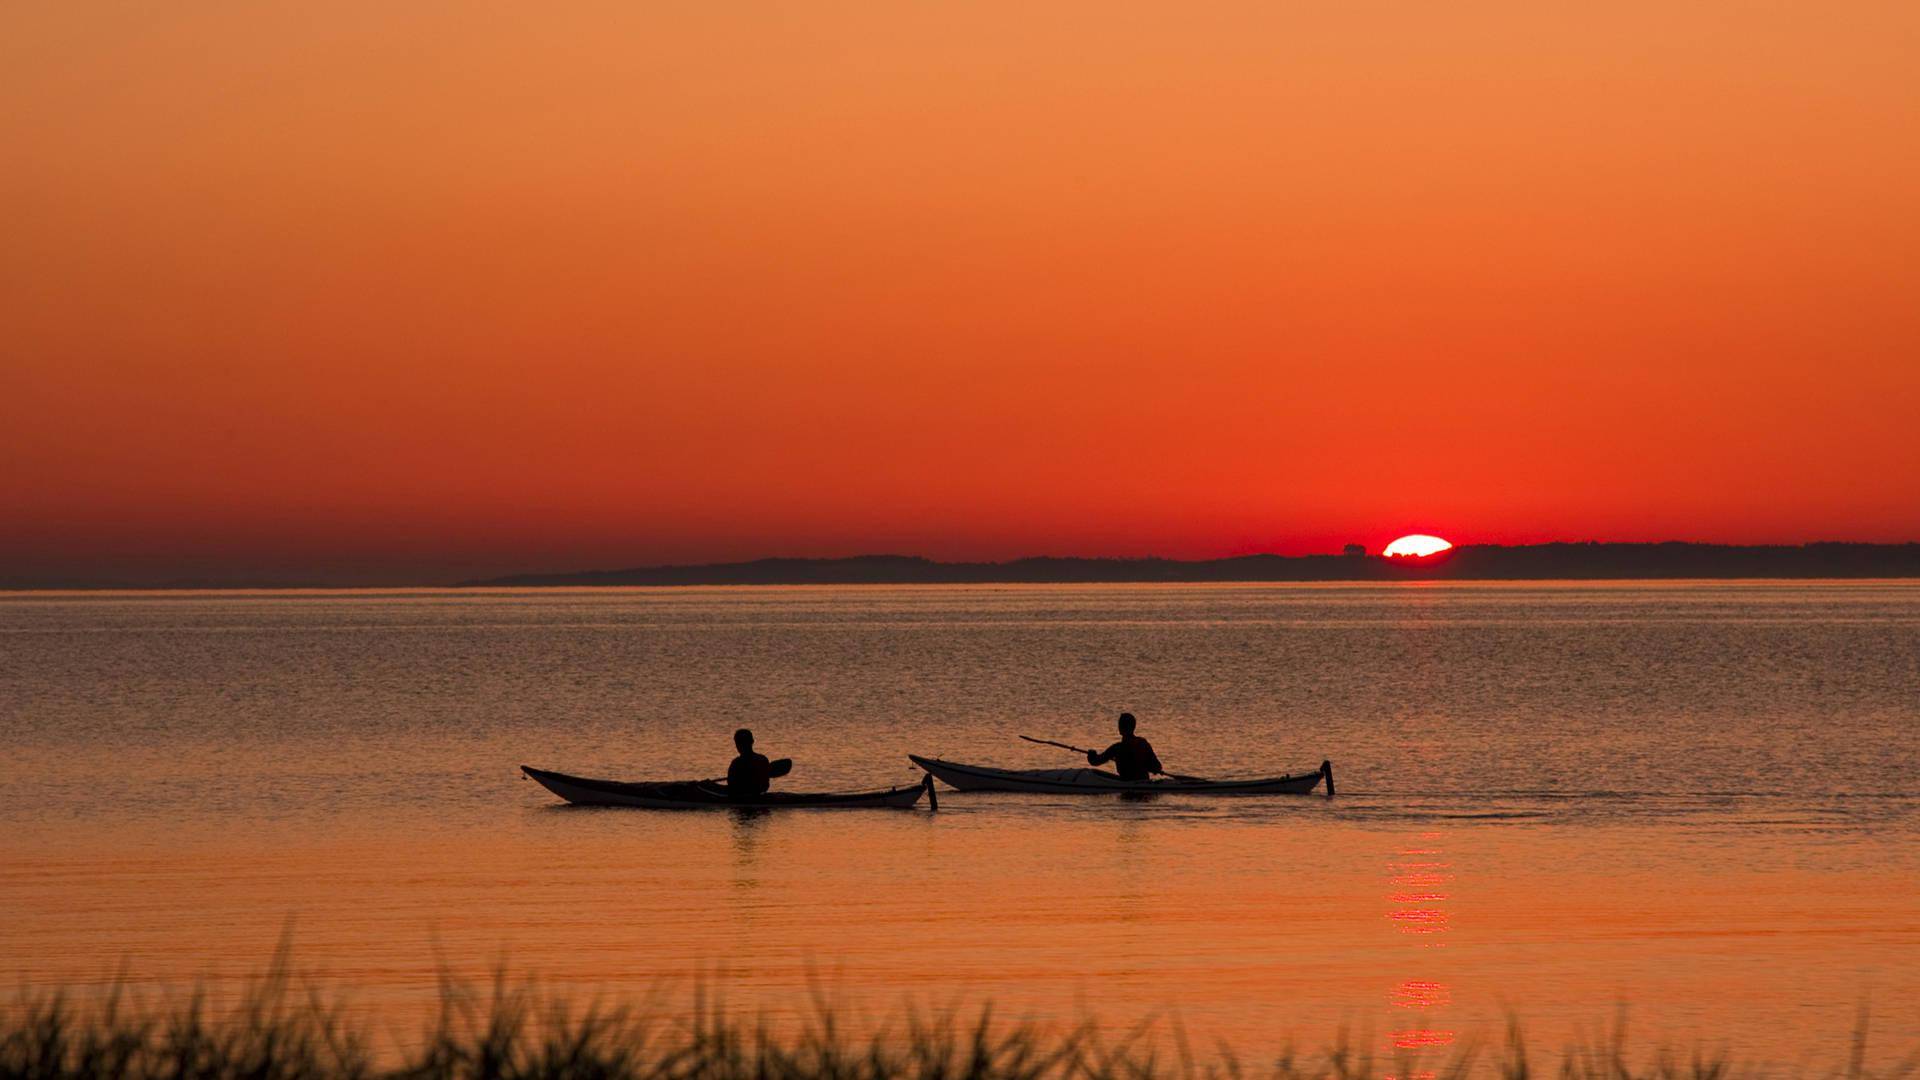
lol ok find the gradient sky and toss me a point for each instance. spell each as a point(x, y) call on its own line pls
point(375, 291)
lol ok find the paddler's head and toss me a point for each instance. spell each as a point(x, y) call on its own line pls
point(743, 741)
point(1126, 723)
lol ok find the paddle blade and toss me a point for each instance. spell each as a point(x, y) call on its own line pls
point(779, 767)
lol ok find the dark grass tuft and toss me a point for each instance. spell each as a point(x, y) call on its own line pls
point(512, 1033)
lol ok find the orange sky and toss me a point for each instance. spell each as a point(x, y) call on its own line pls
point(384, 292)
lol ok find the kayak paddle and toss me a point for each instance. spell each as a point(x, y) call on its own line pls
point(1061, 745)
point(776, 769)
point(1078, 750)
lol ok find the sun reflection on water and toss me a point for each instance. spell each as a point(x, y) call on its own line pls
point(1417, 892)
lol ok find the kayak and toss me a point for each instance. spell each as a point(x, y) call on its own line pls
point(701, 794)
point(1086, 781)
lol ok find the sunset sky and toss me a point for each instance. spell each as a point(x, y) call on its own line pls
point(390, 292)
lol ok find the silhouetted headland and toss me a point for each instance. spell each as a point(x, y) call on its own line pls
point(1477, 562)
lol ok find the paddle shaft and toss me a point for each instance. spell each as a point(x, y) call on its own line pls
point(776, 769)
point(1061, 745)
point(1079, 750)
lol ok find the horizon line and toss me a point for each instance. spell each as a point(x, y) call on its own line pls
point(1434, 566)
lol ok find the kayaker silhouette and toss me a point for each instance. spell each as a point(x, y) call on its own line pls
point(750, 773)
point(1133, 757)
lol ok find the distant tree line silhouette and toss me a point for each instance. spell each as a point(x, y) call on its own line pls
point(1590, 560)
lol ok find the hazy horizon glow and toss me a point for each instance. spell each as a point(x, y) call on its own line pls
point(364, 293)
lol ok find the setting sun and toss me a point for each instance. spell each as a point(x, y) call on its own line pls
point(1417, 545)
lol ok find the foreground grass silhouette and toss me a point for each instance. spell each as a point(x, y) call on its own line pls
point(273, 1033)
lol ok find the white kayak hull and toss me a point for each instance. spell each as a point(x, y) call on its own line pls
point(1085, 781)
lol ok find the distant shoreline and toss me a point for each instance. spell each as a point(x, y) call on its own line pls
point(1485, 562)
point(1559, 561)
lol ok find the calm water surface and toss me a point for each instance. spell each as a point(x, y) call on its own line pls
point(1698, 799)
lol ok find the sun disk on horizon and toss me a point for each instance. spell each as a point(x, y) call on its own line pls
point(1417, 545)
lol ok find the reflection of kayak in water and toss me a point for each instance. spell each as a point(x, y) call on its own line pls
point(1097, 781)
point(698, 794)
